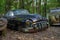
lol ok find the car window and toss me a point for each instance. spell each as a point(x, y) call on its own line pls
point(10, 13)
point(18, 12)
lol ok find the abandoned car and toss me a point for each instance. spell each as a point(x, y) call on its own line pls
point(54, 17)
point(23, 21)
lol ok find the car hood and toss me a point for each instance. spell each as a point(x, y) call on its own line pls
point(33, 17)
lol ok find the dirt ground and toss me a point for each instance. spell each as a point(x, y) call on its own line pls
point(52, 33)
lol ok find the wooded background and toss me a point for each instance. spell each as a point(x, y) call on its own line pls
point(33, 6)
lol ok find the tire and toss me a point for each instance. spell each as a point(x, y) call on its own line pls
point(44, 25)
point(39, 26)
point(31, 28)
point(27, 30)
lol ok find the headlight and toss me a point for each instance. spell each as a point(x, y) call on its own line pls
point(28, 22)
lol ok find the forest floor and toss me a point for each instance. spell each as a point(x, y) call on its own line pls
point(52, 33)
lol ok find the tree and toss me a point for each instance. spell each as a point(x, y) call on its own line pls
point(45, 7)
point(39, 6)
point(2, 6)
point(58, 1)
point(8, 5)
point(33, 6)
point(21, 4)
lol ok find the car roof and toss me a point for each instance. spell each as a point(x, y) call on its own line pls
point(55, 10)
point(18, 11)
point(21, 11)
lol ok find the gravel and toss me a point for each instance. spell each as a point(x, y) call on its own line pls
point(52, 33)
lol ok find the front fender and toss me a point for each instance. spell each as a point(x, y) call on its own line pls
point(33, 19)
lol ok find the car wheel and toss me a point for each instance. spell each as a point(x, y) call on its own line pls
point(35, 27)
point(44, 25)
point(32, 28)
point(28, 30)
point(39, 26)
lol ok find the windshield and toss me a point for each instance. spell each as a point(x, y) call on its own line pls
point(22, 11)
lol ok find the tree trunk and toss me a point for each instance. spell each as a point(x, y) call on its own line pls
point(18, 4)
point(8, 4)
point(58, 1)
point(45, 9)
point(21, 4)
point(27, 6)
point(32, 6)
point(36, 6)
point(39, 6)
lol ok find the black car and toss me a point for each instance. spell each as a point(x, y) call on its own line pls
point(23, 21)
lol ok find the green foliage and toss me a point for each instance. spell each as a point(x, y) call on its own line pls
point(52, 3)
point(34, 6)
point(2, 6)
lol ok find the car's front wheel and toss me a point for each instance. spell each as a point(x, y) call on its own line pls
point(30, 27)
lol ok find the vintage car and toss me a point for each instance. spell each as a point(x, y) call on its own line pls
point(54, 17)
point(23, 21)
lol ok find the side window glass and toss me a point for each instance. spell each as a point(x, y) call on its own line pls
point(10, 13)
